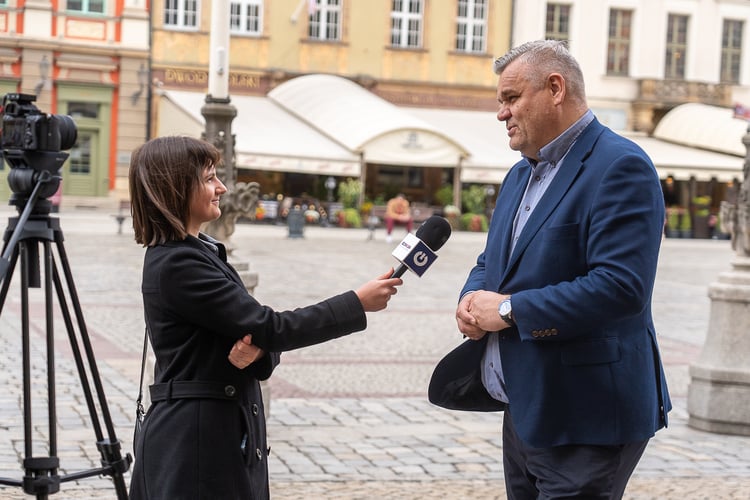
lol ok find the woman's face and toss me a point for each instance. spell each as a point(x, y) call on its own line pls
point(204, 202)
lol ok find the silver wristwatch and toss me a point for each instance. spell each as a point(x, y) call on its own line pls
point(506, 311)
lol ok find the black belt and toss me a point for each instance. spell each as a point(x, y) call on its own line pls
point(189, 389)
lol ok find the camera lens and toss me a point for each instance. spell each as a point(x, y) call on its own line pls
point(67, 130)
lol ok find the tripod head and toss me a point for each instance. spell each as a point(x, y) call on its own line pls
point(32, 144)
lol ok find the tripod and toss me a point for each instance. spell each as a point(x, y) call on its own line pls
point(23, 237)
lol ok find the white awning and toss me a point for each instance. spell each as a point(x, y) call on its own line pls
point(683, 162)
point(332, 126)
point(267, 137)
point(702, 126)
point(365, 123)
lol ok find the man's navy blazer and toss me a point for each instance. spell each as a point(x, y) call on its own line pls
point(582, 364)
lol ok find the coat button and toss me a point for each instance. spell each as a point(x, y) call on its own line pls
point(255, 409)
point(230, 391)
point(258, 453)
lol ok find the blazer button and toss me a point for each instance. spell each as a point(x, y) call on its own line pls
point(230, 391)
point(258, 453)
point(255, 409)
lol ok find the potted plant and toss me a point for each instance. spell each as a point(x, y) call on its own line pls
point(452, 214)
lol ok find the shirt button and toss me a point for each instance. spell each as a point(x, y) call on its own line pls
point(258, 453)
point(255, 409)
point(537, 178)
point(230, 391)
point(527, 208)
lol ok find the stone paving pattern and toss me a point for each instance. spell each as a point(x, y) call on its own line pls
point(348, 419)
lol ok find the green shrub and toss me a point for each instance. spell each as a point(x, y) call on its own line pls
point(351, 217)
point(349, 191)
point(444, 195)
point(473, 199)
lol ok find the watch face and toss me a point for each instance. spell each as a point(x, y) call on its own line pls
point(504, 308)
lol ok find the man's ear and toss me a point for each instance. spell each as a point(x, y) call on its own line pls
point(556, 87)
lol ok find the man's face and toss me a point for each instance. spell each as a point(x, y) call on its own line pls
point(525, 109)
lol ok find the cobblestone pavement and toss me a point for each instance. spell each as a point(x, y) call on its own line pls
point(348, 419)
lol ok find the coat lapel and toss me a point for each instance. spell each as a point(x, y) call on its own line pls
point(569, 171)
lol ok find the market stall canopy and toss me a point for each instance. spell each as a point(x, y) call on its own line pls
point(267, 136)
point(700, 141)
point(328, 125)
point(365, 123)
point(702, 126)
point(684, 163)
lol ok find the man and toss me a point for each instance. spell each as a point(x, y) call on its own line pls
point(397, 211)
point(558, 304)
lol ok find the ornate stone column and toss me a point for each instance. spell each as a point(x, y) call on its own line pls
point(719, 391)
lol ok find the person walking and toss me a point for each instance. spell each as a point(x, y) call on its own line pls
point(204, 435)
point(557, 309)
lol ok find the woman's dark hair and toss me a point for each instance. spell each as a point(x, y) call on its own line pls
point(164, 172)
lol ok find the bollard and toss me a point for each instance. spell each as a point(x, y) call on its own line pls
point(295, 220)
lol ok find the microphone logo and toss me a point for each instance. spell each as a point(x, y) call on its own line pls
point(421, 259)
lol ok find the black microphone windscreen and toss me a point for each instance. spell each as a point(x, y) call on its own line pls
point(434, 232)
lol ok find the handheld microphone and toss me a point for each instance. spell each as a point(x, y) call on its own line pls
point(417, 253)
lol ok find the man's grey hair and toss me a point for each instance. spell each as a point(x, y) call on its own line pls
point(544, 57)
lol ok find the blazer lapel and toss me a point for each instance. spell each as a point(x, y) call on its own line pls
point(569, 171)
point(510, 209)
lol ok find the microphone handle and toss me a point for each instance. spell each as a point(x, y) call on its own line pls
point(400, 270)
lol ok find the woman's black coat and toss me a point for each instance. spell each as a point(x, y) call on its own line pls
point(196, 308)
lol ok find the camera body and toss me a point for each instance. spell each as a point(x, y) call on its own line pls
point(25, 127)
point(32, 144)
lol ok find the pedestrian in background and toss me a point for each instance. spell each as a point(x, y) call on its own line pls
point(397, 211)
point(204, 436)
point(557, 308)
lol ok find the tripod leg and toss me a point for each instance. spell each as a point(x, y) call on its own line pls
point(115, 465)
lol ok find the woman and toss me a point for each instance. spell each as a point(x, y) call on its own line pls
point(204, 434)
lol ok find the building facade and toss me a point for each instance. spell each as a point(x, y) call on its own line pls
point(88, 59)
point(408, 53)
point(643, 59)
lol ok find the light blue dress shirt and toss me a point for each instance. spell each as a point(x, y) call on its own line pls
point(551, 158)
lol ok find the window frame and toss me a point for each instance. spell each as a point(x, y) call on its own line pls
point(326, 16)
point(468, 40)
point(676, 49)
point(556, 31)
point(181, 13)
point(86, 7)
point(409, 32)
point(731, 54)
point(244, 16)
point(619, 38)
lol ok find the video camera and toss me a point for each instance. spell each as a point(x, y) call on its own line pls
point(32, 144)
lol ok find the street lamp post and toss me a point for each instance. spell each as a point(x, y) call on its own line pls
point(241, 198)
point(330, 186)
point(719, 391)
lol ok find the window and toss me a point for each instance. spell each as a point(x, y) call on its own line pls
point(618, 43)
point(246, 17)
point(731, 51)
point(181, 13)
point(406, 23)
point(83, 109)
point(674, 64)
point(80, 155)
point(471, 26)
point(86, 6)
point(558, 22)
point(325, 20)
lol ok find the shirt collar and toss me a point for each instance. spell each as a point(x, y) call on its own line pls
point(553, 152)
